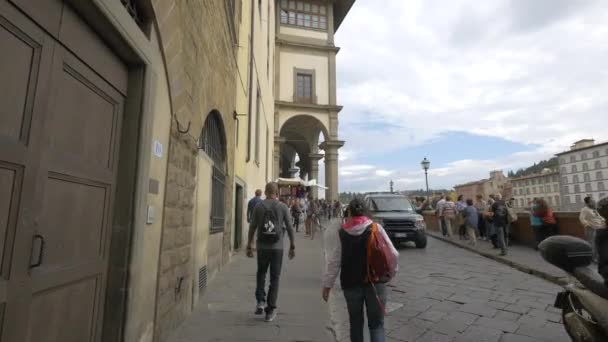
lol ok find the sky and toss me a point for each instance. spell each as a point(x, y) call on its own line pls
point(471, 85)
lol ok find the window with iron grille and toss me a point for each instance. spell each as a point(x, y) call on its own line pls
point(302, 13)
point(599, 175)
point(598, 164)
point(585, 167)
point(213, 143)
point(304, 88)
point(596, 154)
point(588, 187)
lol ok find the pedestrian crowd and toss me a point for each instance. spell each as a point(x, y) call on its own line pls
point(488, 220)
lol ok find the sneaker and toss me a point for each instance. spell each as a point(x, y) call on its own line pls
point(259, 308)
point(271, 314)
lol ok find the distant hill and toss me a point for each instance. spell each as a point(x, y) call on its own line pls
point(536, 168)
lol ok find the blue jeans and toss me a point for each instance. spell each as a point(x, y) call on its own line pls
point(355, 298)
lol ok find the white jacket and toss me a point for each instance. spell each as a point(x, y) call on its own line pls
point(334, 260)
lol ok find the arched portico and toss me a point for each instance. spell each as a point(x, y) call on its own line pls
point(299, 135)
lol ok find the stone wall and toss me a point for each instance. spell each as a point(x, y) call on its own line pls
point(199, 53)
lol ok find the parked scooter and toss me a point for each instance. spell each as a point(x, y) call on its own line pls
point(584, 301)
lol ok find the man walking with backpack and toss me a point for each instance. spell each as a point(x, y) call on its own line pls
point(500, 220)
point(270, 220)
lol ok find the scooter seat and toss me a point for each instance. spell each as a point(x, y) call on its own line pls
point(566, 252)
point(592, 281)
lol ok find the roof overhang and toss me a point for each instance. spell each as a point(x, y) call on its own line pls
point(341, 8)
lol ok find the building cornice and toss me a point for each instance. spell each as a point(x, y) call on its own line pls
point(582, 149)
point(303, 43)
point(293, 105)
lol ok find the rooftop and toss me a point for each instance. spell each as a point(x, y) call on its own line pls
point(536, 175)
point(586, 147)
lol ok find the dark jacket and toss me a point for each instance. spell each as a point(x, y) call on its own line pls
point(353, 264)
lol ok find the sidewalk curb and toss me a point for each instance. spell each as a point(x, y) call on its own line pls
point(523, 268)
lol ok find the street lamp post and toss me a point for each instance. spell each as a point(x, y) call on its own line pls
point(426, 164)
point(391, 184)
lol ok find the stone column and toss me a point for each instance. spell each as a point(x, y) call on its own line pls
point(276, 168)
point(314, 171)
point(331, 167)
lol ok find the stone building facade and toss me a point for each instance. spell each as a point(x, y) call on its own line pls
point(584, 172)
point(544, 185)
point(497, 183)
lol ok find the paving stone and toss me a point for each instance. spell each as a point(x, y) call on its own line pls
point(550, 332)
point(502, 325)
point(450, 326)
point(463, 317)
point(497, 305)
point(481, 309)
point(548, 316)
point(507, 316)
point(446, 306)
point(431, 315)
point(431, 336)
point(532, 320)
point(407, 332)
point(479, 334)
point(517, 338)
point(520, 309)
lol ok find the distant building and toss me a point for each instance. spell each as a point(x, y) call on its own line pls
point(583, 171)
point(542, 185)
point(485, 187)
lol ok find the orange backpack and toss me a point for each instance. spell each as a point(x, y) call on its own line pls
point(381, 262)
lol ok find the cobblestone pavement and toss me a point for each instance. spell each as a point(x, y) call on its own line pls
point(445, 293)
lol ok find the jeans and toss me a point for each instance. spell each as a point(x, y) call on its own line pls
point(355, 298)
point(272, 258)
point(500, 237)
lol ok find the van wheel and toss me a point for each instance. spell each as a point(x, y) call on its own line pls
point(421, 242)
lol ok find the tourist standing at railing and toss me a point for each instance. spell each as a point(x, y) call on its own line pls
point(548, 221)
point(592, 221)
point(449, 216)
point(536, 222)
point(481, 207)
point(439, 212)
point(461, 205)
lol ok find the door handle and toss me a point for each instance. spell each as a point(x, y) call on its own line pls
point(40, 238)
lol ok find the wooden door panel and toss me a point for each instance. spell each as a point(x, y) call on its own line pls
point(65, 314)
point(19, 67)
point(75, 216)
point(83, 120)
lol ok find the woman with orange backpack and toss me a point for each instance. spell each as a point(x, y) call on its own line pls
point(366, 259)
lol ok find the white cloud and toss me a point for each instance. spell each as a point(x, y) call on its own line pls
point(415, 77)
point(383, 173)
point(532, 72)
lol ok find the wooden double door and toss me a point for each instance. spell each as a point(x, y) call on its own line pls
point(62, 92)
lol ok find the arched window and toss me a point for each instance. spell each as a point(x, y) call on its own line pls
point(213, 142)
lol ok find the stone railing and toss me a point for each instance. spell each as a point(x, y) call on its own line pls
point(521, 230)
